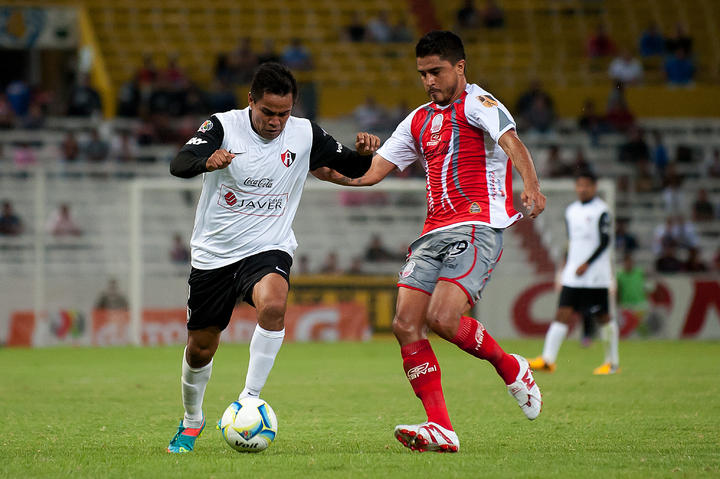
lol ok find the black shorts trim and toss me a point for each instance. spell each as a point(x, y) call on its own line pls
point(593, 301)
point(215, 292)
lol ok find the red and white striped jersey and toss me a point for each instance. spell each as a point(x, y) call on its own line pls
point(469, 177)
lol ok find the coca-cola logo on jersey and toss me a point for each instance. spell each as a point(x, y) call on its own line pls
point(259, 182)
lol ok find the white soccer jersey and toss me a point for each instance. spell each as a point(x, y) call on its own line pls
point(468, 173)
point(249, 207)
point(587, 223)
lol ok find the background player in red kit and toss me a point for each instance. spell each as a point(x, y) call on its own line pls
point(464, 137)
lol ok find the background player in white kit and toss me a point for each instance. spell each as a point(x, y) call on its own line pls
point(464, 137)
point(586, 278)
point(254, 163)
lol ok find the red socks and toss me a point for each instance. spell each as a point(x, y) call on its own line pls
point(423, 372)
point(473, 339)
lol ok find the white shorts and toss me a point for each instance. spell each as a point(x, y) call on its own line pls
point(465, 256)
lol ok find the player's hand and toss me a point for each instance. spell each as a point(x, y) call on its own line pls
point(219, 159)
point(581, 269)
point(366, 144)
point(533, 201)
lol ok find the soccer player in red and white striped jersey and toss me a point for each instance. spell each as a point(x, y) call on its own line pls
point(466, 140)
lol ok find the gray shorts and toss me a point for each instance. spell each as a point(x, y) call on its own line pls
point(464, 255)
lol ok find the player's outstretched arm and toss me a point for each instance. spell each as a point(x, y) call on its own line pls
point(533, 200)
point(379, 169)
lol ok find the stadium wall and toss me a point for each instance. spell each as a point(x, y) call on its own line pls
point(682, 307)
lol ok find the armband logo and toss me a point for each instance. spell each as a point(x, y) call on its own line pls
point(487, 101)
point(207, 126)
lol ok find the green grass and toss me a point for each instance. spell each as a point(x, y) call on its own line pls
point(111, 412)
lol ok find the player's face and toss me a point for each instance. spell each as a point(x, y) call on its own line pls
point(270, 113)
point(443, 81)
point(585, 189)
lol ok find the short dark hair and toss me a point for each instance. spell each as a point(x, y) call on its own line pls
point(586, 173)
point(273, 78)
point(442, 43)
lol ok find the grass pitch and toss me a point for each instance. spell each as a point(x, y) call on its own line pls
point(111, 412)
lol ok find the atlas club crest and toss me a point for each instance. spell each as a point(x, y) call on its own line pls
point(288, 158)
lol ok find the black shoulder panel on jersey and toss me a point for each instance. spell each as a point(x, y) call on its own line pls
point(604, 227)
point(326, 151)
point(191, 159)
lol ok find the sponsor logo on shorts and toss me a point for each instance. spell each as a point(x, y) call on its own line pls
point(417, 371)
point(207, 126)
point(475, 208)
point(408, 269)
point(259, 182)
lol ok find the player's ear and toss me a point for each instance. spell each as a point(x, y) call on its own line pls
point(250, 99)
point(460, 67)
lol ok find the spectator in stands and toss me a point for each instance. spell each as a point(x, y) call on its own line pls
point(668, 261)
point(713, 164)
point(24, 156)
point(645, 180)
point(659, 154)
point(96, 149)
point(591, 122)
point(680, 39)
point(173, 75)
point(555, 166)
point(268, 53)
point(401, 32)
point(541, 115)
point(18, 94)
point(703, 209)
point(35, 118)
point(10, 222)
point(600, 44)
point(468, 16)
point(179, 252)
point(331, 264)
point(652, 42)
point(376, 251)
point(70, 148)
point(370, 116)
point(146, 76)
point(221, 97)
point(618, 115)
point(716, 260)
point(580, 163)
point(625, 68)
point(528, 99)
point(379, 29)
point(693, 263)
point(356, 266)
point(673, 196)
point(635, 149)
point(625, 242)
point(7, 115)
point(296, 56)
point(243, 61)
point(355, 30)
point(84, 99)
point(676, 232)
point(303, 265)
point(124, 147)
point(61, 223)
point(679, 69)
point(111, 297)
point(223, 72)
point(492, 15)
point(129, 99)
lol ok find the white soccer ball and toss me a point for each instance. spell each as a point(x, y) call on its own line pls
point(249, 425)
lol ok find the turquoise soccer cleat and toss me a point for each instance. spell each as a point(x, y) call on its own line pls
point(184, 439)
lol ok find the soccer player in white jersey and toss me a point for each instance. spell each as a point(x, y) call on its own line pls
point(586, 277)
point(254, 164)
point(465, 138)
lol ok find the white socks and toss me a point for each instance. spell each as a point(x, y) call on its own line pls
point(553, 340)
point(264, 346)
point(611, 334)
point(194, 381)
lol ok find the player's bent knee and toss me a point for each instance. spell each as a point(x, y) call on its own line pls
point(440, 323)
point(405, 329)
